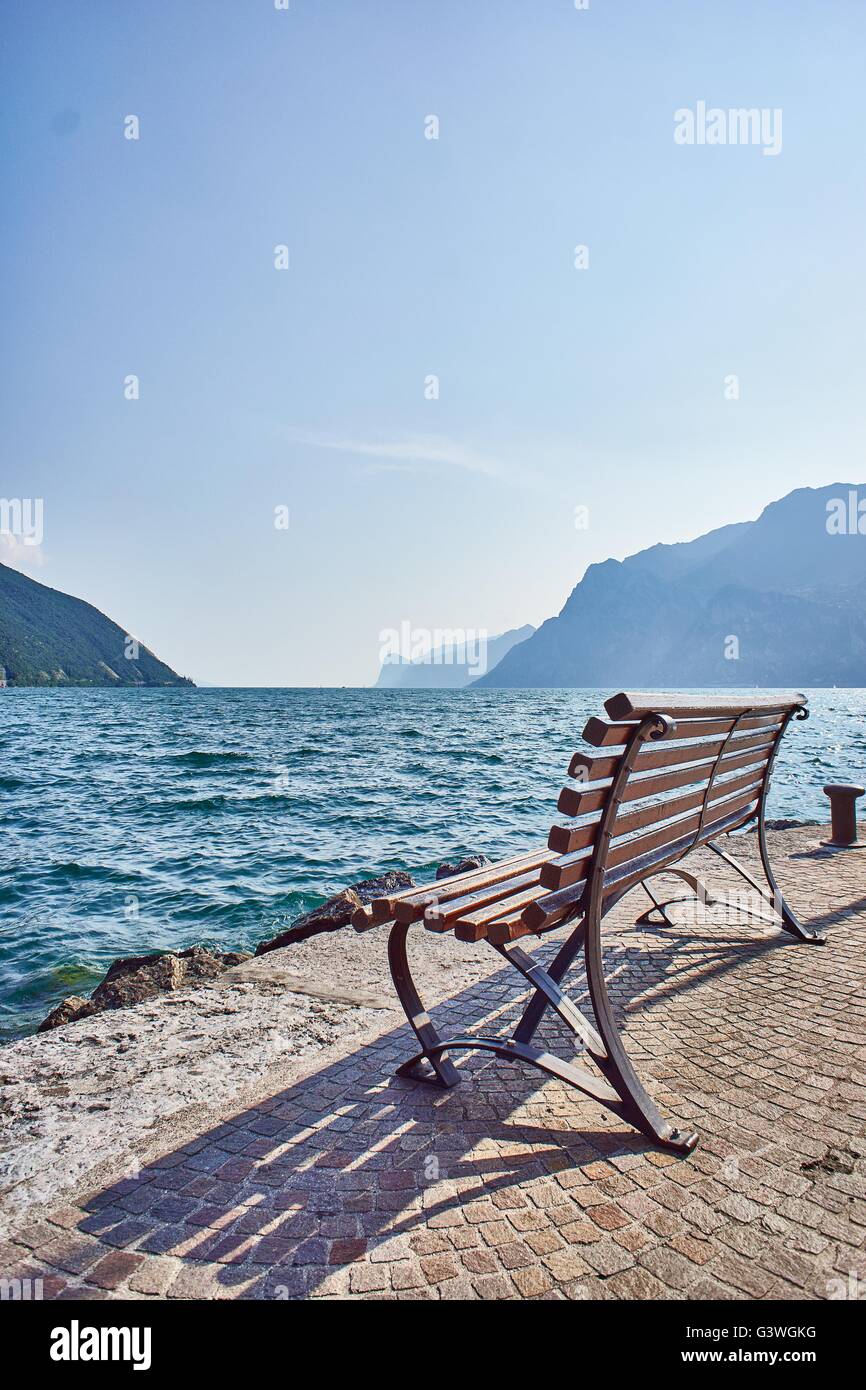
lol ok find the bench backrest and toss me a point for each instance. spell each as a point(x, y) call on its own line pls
point(673, 771)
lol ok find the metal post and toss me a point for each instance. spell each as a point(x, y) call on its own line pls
point(843, 815)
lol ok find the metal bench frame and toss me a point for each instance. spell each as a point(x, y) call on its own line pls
point(618, 1087)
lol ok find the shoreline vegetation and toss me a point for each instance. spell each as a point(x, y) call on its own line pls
point(50, 639)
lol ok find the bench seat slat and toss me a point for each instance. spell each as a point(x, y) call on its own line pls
point(506, 929)
point(601, 734)
point(566, 838)
point(577, 801)
point(440, 916)
point(492, 912)
point(636, 704)
point(413, 909)
point(544, 912)
point(662, 754)
point(559, 873)
point(383, 909)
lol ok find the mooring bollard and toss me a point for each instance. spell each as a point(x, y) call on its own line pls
point(843, 815)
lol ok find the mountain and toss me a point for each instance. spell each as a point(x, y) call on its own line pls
point(780, 601)
point(449, 667)
point(49, 638)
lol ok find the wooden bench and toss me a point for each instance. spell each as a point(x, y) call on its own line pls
point(673, 772)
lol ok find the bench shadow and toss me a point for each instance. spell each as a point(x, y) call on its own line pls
point(280, 1196)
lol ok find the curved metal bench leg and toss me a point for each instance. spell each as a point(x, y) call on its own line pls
point(775, 899)
point(445, 1073)
point(618, 1088)
point(511, 1051)
point(698, 887)
point(638, 1106)
point(646, 918)
point(548, 989)
point(790, 923)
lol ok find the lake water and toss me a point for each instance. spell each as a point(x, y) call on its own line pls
point(137, 820)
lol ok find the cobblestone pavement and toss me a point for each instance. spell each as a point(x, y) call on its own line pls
point(355, 1184)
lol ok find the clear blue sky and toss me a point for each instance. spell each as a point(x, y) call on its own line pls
point(558, 388)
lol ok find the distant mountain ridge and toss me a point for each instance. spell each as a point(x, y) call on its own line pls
point(449, 667)
point(51, 638)
point(780, 601)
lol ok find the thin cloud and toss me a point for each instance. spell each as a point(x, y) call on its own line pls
point(414, 453)
point(396, 467)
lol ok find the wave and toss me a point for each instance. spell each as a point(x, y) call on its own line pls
point(96, 873)
point(198, 757)
point(192, 803)
point(220, 802)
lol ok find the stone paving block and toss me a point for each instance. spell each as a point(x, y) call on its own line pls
point(72, 1254)
point(480, 1262)
point(464, 1237)
point(155, 1275)
point(566, 1265)
point(609, 1218)
point(698, 1251)
point(407, 1275)
point(532, 1282)
point(493, 1286)
point(437, 1268)
point(744, 1275)
point(368, 1278)
point(637, 1283)
point(112, 1270)
point(346, 1251)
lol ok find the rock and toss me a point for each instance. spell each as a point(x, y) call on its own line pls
point(132, 979)
point(392, 882)
point(474, 861)
point(336, 912)
point(68, 1011)
point(126, 965)
point(136, 978)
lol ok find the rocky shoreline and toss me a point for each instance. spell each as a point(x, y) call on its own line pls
point(135, 979)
